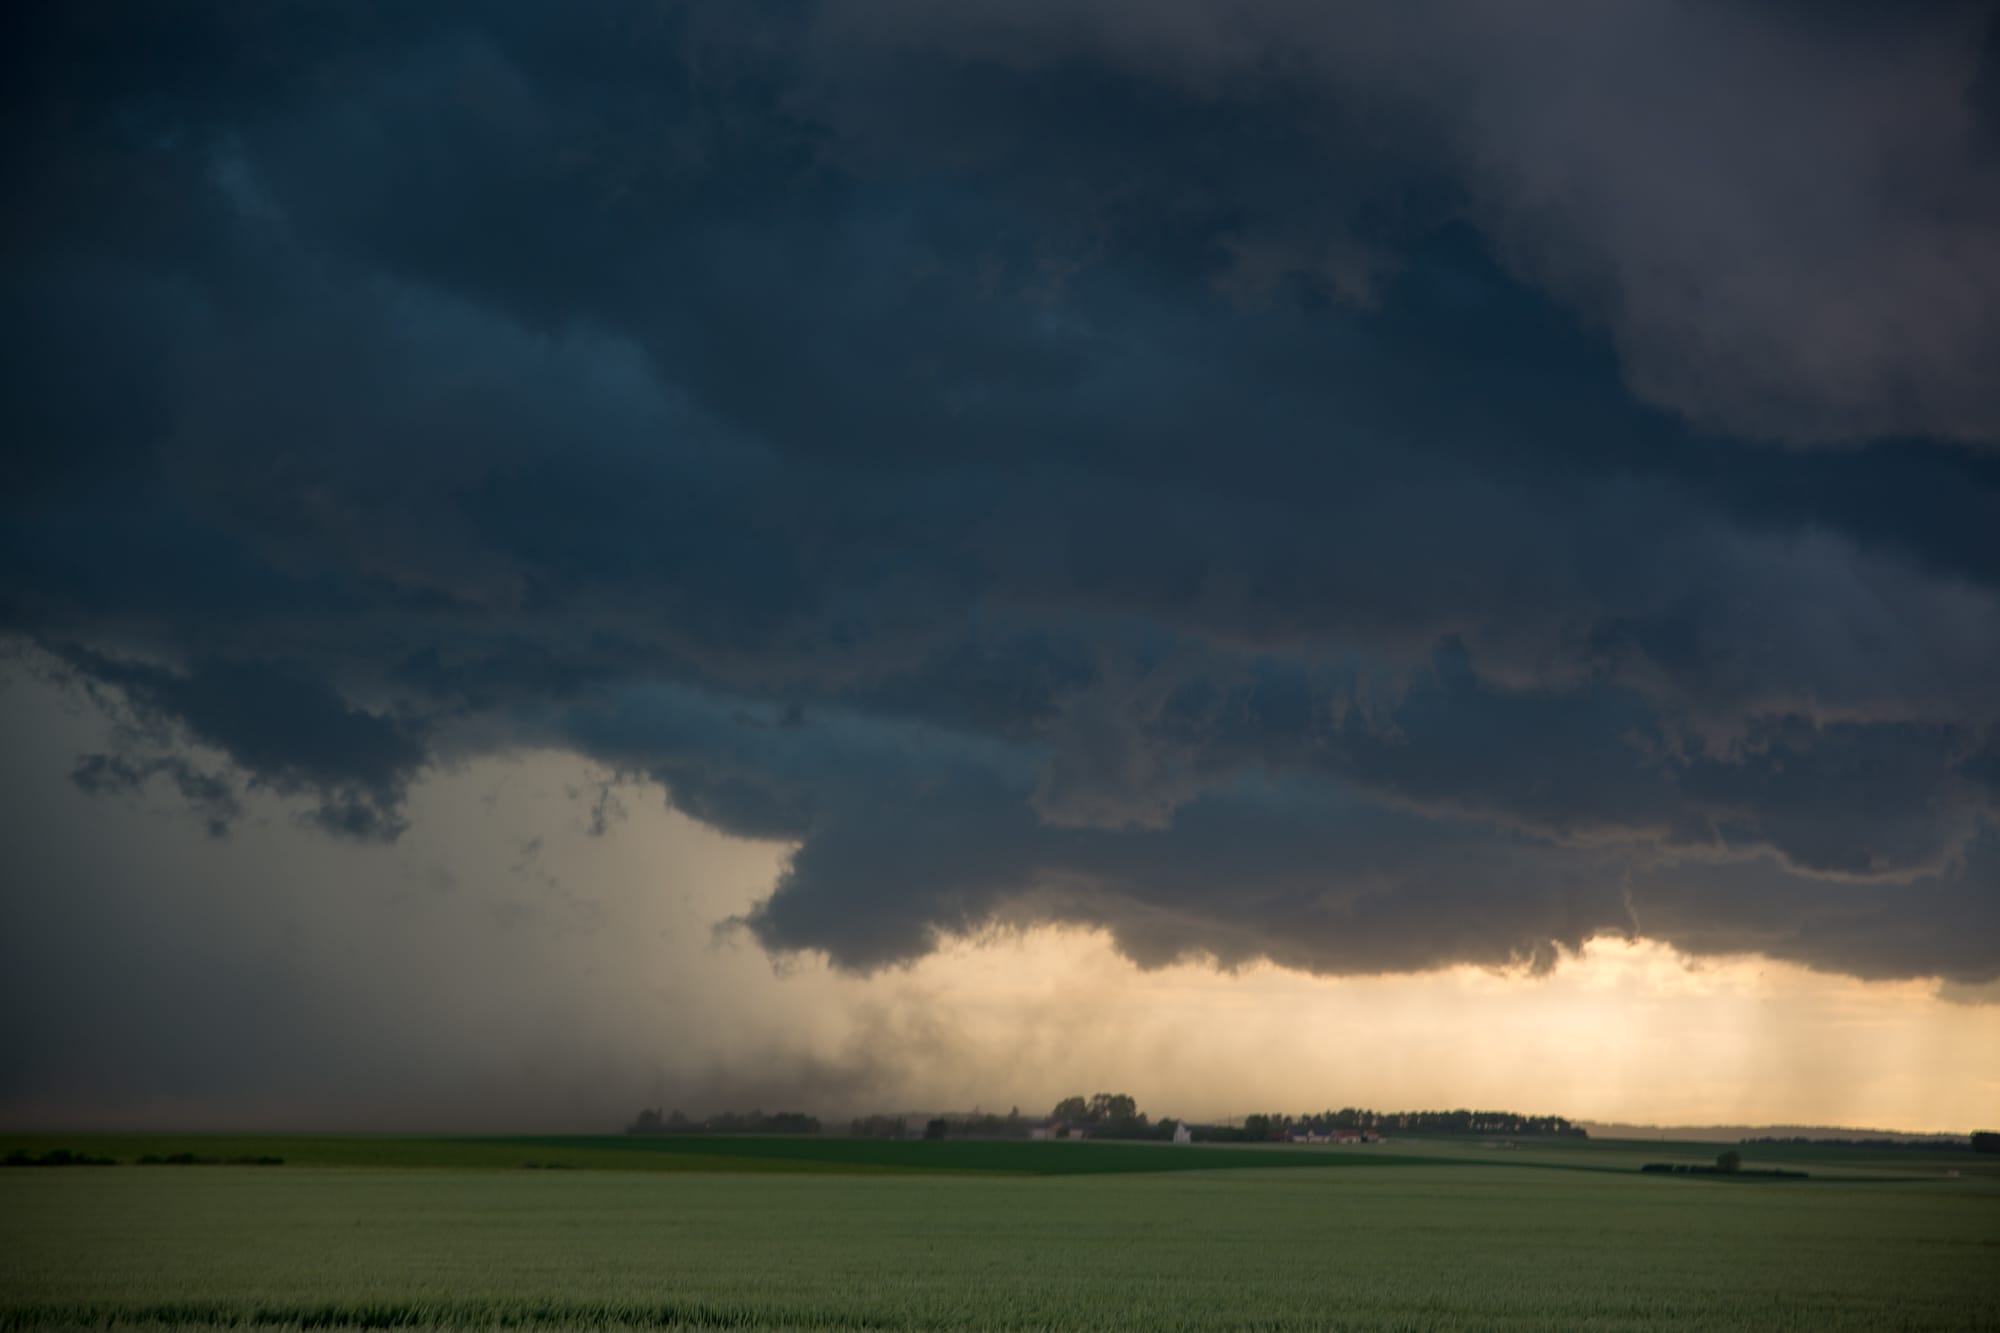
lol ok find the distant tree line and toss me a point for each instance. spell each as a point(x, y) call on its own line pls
point(192, 1159)
point(1985, 1141)
point(958, 1125)
point(64, 1157)
point(55, 1157)
point(1277, 1127)
point(650, 1121)
point(1103, 1115)
point(1727, 1163)
point(1116, 1115)
point(1108, 1115)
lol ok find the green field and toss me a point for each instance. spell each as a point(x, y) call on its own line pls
point(839, 1234)
point(840, 1155)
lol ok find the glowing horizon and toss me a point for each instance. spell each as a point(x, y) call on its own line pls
point(622, 991)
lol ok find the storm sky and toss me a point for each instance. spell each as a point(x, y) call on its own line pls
point(555, 554)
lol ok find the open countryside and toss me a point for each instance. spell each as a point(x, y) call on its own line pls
point(763, 1232)
point(952, 613)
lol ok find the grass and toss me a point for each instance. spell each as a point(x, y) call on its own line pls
point(844, 1156)
point(1003, 1157)
point(1445, 1244)
point(707, 1153)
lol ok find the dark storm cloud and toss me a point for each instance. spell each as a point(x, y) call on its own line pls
point(1298, 490)
point(1783, 213)
point(276, 721)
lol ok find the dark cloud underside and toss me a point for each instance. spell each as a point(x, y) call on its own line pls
point(1370, 491)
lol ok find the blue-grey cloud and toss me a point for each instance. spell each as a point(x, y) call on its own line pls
point(1077, 467)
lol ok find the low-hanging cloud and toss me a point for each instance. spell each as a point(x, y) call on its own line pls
point(1079, 464)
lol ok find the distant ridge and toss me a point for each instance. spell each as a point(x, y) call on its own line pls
point(1736, 1133)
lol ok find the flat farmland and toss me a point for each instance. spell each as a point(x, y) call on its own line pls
point(1444, 1244)
point(708, 1153)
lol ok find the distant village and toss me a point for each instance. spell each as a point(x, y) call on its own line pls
point(1107, 1115)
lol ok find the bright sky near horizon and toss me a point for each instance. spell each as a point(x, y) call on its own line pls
point(503, 967)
